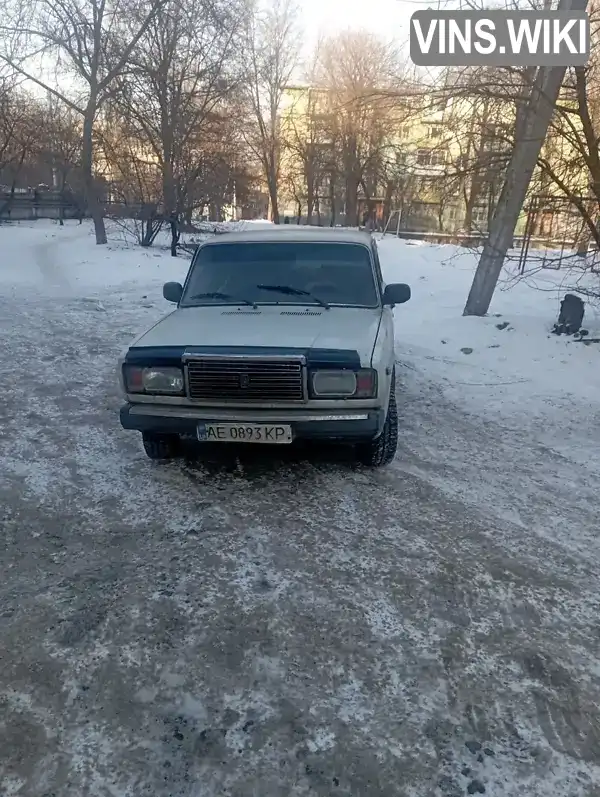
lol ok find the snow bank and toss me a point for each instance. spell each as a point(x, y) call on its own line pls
point(44, 256)
point(507, 362)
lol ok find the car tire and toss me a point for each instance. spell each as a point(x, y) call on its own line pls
point(381, 450)
point(159, 446)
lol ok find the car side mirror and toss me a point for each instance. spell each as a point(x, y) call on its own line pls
point(396, 293)
point(172, 292)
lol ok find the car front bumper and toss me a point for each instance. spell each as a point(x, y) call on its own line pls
point(320, 425)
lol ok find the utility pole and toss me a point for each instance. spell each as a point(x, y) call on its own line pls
point(534, 126)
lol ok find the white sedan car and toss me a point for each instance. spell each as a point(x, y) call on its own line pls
point(278, 335)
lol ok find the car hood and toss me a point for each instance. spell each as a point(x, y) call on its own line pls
point(283, 326)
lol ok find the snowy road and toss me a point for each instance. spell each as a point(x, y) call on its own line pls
point(279, 626)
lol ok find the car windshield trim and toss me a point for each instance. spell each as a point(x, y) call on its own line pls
point(333, 273)
point(284, 302)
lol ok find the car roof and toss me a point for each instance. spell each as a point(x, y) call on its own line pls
point(294, 234)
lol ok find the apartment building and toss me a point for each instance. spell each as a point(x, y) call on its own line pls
point(436, 161)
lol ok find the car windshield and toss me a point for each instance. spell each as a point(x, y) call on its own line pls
point(285, 273)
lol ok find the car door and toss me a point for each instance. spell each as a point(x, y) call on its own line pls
point(383, 351)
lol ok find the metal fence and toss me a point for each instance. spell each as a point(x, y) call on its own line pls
point(31, 205)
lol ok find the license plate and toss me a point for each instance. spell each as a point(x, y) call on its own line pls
point(244, 433)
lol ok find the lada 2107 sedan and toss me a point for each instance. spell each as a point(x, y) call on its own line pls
point(277, 336)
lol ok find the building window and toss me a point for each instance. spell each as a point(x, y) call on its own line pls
point(427, 183)
point(438, 157)
point(435, 131)
point(431, 157)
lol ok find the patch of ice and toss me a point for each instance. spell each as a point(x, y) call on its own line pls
point(322, 740)
point(354, 705)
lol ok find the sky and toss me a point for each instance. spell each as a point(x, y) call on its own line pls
point(322, 18)
point(388, 18)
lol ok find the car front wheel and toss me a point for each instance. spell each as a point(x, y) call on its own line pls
point(159, 446)
point(382, 450)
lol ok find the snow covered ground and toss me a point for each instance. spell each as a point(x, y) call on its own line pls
point(534, 396)
point(294, 624)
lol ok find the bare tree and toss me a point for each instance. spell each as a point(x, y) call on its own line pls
point(483, 113)
point(12, 109)
point(568, 164)
point(89, 40)
point(271, 55)
point(181, 72)
point(135, 174)
point(60, 148)
point(306, 131)
point(571, 163)
point(361, 74)
point(20, 124)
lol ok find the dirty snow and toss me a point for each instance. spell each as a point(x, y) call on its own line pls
point(290, 623)
point(525, 403)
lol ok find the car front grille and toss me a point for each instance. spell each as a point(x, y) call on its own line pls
point(243, 379)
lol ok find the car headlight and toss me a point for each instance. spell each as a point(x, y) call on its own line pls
point(345, 384)
point(153, 380)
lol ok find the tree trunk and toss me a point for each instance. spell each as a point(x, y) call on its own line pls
point(523, 162)
point(9, 202)
point(6, 207)
point(440, 216)
point(175, 235)
point(468, 222)
point(61, 207)
point(169, 199)
point(584, 240)
point(310, 200)
point(87, 158)
point(148, 231)
point(352, 183)
point(273, 199)
point(475, 190)
point(332, 200)
point(387, 201)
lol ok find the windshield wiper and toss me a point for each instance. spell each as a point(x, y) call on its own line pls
point(290, 291)
point(224, 296)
